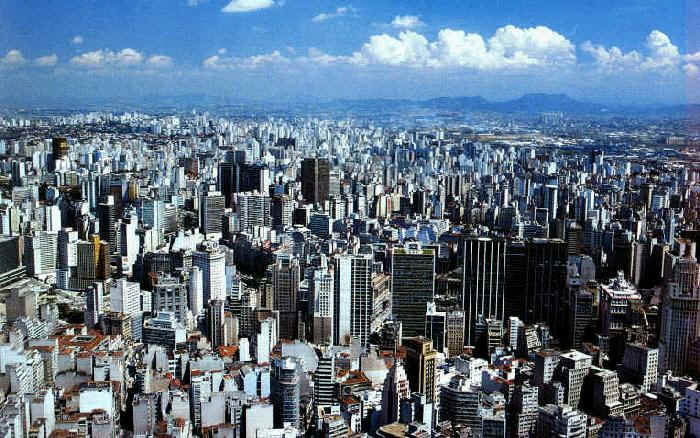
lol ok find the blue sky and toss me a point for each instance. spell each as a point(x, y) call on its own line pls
point(631, 52)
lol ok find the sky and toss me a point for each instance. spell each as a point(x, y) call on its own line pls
point(631, 52)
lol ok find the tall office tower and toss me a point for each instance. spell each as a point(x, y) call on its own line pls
point(211, 261)
point(515, 275)
point(460, 403)
point(11, 268)
point(285, 392)
point(353, 305)
point(324, 379)
point(125, 297)
point(680, 319)
point(52, 219)
point(253, 211)
point(59, 150)
point(227, 175)
point(196, 291)
point(129, 241)
point(285, 284)
point(107, 215)
point(454, 338)
point(551, 203)
point(436, 327)
point(421, 365)
point(93, 304)
point(211, 214)
point(546, 362)
point(215, 324)
point(523, 409)
point(266, 340)
point(396, 388)
point(561, 422)
point(322, 291)
point(483, 282)
point(151, 213)
point(573, 367)
point(544, 281)
point(413, 285)
point(315, 179)
point(641, 365)
point(92, 262)
point(40, 251)
point(169, 295)
point(281, 211)
point(581, 316)
point(616, 301)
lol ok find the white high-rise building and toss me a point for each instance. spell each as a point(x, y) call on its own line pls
point(125, 297)
point(196, 299)
point(212, 261)
point(53, 218)
point(266, 340)
point(352, 307)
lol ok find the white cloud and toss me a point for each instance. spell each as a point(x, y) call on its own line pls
point(510, 46)
point(160, 61)
point(101, 58)
point(195, 3)
point(612, 59)
point(663, 53)
point(13, 58)
point(692, 57)
point(406, 22)
point(691, 70)
point(660, 55)
point(77, 40)
point(238, 6)
point(221, 51)
point(339, 12)
point(217, 62)
point(46, 61)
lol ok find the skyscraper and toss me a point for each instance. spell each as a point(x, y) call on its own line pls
point(436, 327)
point(285, 392)
point(285, 283)
point(211, 261)
point(315, 179)
point(680, 318)
point(483, 282)
point(211, 214)
point(396, 388)
point(107, 214)
point(421, 366)
point(413, 285)
point(352, 308)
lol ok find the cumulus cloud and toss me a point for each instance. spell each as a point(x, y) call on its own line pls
point(217, 62)
point(101, 58)
point(612, 59)
point(160, 61)
point(77, 40)
point(239, 6)
point(325, 16)
point(46, 61)
point(406, 22)
point(510, 46)
point(692, 70)
point(661, 55)
point(13, 58)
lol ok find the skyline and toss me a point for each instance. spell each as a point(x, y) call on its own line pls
point(635, 53)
